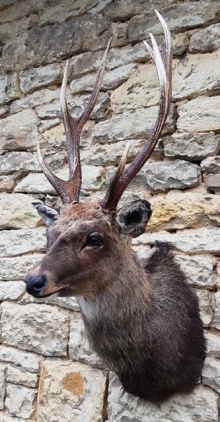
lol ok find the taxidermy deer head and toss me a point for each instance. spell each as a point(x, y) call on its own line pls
point(141, 319)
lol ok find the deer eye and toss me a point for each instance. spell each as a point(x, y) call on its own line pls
point(94, 240)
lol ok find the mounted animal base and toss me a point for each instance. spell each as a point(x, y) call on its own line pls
point(142, 319)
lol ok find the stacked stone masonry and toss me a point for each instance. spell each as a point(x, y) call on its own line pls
point(47, 371)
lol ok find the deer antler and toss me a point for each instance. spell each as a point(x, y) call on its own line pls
point(69, 190)
point(122, 176)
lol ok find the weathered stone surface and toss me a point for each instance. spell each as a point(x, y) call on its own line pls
point(79, 349)
point(19, 161)
point(191, 146)
point(28, 361)
point(19, 376)
point(17, 212)
point(123, 10)
point(9, 88)
point(11, 290)
point(200, 115)
point(17, 268)
point(183, 210)
point(188, 241)
point(63, 302)
point(17, 242)
point(178, 17)
point(177, 174)
point(38, 328)
point(19, 131)
point(4, 111)
point(216, 319)
point(211, 165)
point(111, 79)
point(199, 406)
point(2, 385)
point(71, 391)
point(213, 344)
point(130, 125)
point(205, 306)
point(213, 182)
point(7, 183)
point(198, 270)
point(43, 96)
point(36, 78)
point(207, 39)
point(211, 373)
point(20, 401)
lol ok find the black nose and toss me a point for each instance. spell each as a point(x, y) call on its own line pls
point(35, 285)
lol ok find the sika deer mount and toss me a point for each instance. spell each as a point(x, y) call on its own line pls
point(142, 320)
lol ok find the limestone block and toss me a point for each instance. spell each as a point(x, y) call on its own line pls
point(43, 96)
point(213, 182)
point(16, 375)
point(204, 240)
point(9, 88)
point(20, 401)
point(205, 306)
point(177, 174)
point(207, 39)
point(216, 319)
point(178, 17)
point(123, 10)
point(200, 115)
point(36, 78)
point(57, 12)
point(4, 111)
point(19, 131)
point(197, 75)
point(119, 33)
point(17, 268)
point(11, 290)
point(12, 12)
point(63, 302)
point(213, 344)
point(199, 406)
point(7, 183)
point(70, 391)
point(183, 210)
point(130, 125)
point(79, 349)
point(17, 212)
point(198, 270)
point(48, 124)
point(211, 373)
point(2, 385)
point(24, 359)
point(191, 146)
point(111, 79)
point(38, 328)
point(17, 242)
point(19, 161)
point(211, 165)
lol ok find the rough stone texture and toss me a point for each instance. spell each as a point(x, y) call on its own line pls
point(47, 333)
point(28, 361)
point(213, 183)
point(71, 391)
point(216, 319)
point(18, 267)
point(2, 385)
point(17, 242)
point(18, 161)
point(211, 165)
point(17, 212)
point(19, 131)
point(177, 174)
point(19, 376)
point(213, 344)
point(11, 290)
point(211, 374)
point(200, 115)
point(198, 270)
point(180, 211)
point(20, 401)
point(32, 79)
point(199, 406)
point(208, 39)
point(205, 305)
point(191, 146)
point(9, 88)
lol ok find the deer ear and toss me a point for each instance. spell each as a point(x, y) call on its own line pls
point(48, 215)
point(133, 218)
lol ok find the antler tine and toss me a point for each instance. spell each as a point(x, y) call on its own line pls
point(164, 73)
point(69, 190)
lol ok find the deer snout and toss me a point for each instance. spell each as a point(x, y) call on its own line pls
point(35, 284)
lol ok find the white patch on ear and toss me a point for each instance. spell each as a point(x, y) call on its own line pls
point(48, 214)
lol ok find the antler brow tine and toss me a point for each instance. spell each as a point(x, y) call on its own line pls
point(163, 65)
point(69, 190)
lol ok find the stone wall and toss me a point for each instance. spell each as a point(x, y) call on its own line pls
point(47, 371)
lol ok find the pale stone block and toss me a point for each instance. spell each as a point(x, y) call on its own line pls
point(205, 306)
point(2, 386)
point(20, 401)
point(17, 242)
point(191, 146)
point(200, 115)
point(211, 373)
point(38, 328)
point(24, 359)
point(17, 212)
point(216, 319)
point(11, 290)
point(19, 131)
point(7, 183)
point(198, 271)
point(79, 349)
point(36, 78)
point(9, 88)
point(213, 344)
point(198, 406)
point(63, 302)
point(71, 391)
point(16, 375)
point(207, 39)
point(19, 161)
point(17, 268)
point(40, 97)
point(211, 165)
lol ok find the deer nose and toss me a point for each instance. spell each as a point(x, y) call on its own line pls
point(35, 284)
